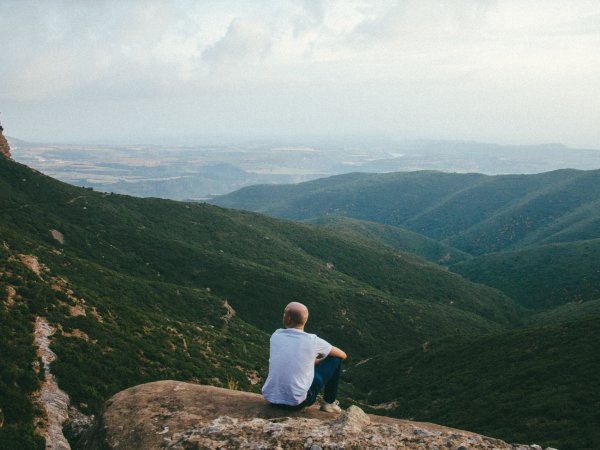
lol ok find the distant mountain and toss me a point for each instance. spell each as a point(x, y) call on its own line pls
point(147, 289)
point(472, 212)
point(399, 238)
point(530, 385)
point(541, 277)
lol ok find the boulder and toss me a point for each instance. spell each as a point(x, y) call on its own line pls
point(178, 415)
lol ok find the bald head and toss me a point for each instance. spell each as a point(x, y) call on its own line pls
point(295, 314)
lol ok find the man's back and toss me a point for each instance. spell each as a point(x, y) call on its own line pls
point(291, 365)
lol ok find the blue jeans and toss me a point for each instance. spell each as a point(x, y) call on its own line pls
point(327, 374)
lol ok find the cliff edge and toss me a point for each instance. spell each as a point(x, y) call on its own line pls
point(177, 415)
point(4, 147)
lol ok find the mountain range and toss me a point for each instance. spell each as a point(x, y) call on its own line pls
point(534, 237)
point(140, 290)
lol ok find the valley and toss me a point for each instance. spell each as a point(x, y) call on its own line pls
point(485, 320)
point(533, 237)
point(194, 172)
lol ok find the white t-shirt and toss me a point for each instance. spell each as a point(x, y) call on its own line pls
point(291, 365)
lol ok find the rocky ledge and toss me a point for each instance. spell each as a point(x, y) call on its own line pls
point(177, 415)
point(4, 147)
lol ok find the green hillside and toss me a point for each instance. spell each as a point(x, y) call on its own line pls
point(567, 313)
point(18, 381)
point(389, 198)
point(399, 238)
point(532, 385)
point(154, 278)
point(541, 277)
point(535, 384)
point(474, 213)
point(252, 260)
point(114, 331)
point(544, 215)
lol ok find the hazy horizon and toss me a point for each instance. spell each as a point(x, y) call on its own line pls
point(245, 141)
point(184, 72)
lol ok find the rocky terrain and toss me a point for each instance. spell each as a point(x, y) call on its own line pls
point(53, 400)
point(177, 415)
point(4, 147)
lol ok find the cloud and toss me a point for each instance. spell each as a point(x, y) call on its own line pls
point(244, 41)
point(420, 19)
point(295, 66)
point(54, 51)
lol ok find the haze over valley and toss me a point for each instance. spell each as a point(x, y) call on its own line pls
point(201, 172)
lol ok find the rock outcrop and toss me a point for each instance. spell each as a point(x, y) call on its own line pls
point(4, 147)
point(177, 415)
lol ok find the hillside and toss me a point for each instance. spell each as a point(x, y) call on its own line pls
point(398, 238)
point(567, 313)
point(146, 289)
point(542, 277)
point(542, 383)
point(474, 213)
point(111, 330)
point(250, 259)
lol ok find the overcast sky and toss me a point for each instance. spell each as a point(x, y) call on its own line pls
point(495, 71)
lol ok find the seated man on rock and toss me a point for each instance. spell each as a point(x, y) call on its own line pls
point(301, 364)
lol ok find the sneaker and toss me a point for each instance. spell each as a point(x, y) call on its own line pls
point(331, 407)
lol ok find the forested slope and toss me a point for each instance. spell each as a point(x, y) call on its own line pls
point(472, 212)
point(147, 289)
point(541, 277)
point(529, 385)
point(398, 238)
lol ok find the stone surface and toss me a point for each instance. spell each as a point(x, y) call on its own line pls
point(4, 147)
point(177, 415)
point(353, 420)
point(53, 401)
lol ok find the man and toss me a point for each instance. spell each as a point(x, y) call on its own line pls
point(301, 364)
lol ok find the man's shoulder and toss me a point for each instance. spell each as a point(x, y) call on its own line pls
point(292, 332)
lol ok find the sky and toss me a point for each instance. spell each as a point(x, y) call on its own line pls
point(509, 72)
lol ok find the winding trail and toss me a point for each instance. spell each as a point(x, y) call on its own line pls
point(53, 400)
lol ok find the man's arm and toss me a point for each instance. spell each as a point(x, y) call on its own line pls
point(334, 352)
point(338, 353)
